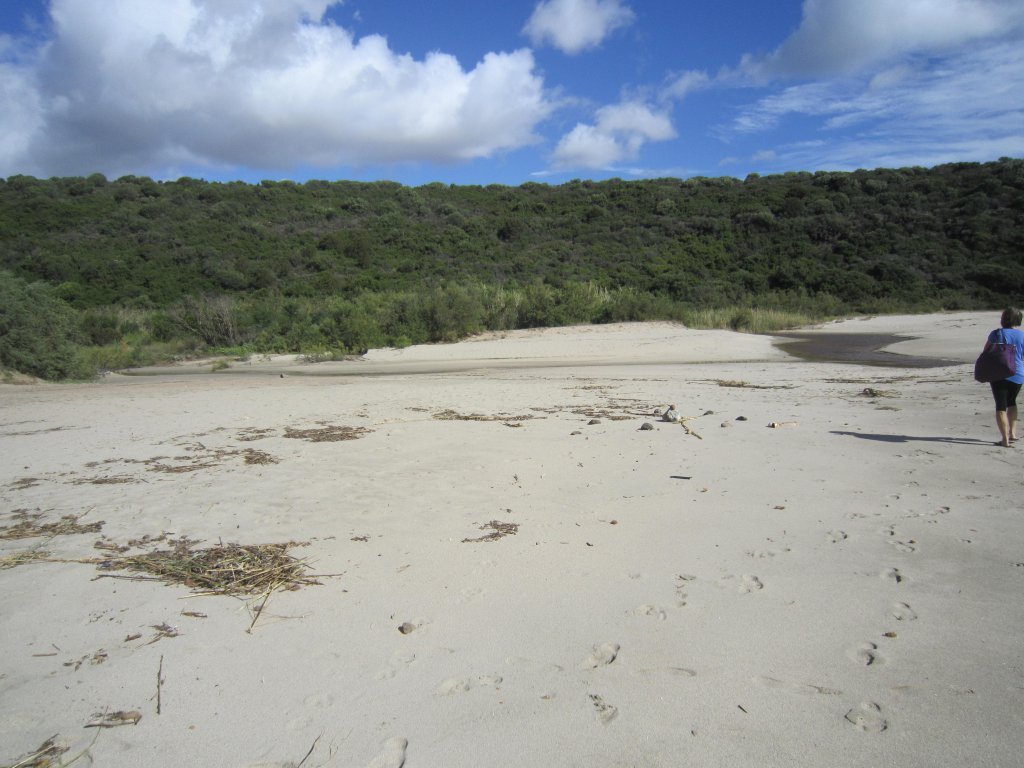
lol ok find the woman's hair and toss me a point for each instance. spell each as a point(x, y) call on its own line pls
point(1011, 317)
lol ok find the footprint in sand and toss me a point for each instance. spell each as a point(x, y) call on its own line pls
point(903, 612)
point(750, 583)
point(764, 554)
point(834, 537)
point(463, 684)
point(771, 682)
point(605, 712)
point(865, 653)
point(602, 656)
point(904, 546)
point(681, 585)
point(893, 575)
point(867, 717)
point(392, 755)
point(469, 594)
point(651, 610)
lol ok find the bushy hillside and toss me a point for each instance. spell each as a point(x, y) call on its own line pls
point(341, 265)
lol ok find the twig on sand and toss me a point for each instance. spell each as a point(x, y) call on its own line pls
point(159, 682)
point(309, 753)
point(259, 610)
point(114, 719)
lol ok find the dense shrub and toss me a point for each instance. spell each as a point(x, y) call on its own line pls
point(38, 331)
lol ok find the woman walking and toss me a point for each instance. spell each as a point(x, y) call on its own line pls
point(1005, 391)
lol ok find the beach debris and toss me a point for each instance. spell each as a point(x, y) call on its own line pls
point(194, 614)
point(23, 558)
point(592, 422)
point(407, 627)
point(781, 424)
point(498, 530)
point(327, 434)
point(22, 483)
point(726, 424)
point(670, 414)
point(689, 431)
point(114, 719)
point(30, 527)
point(449, 415)
point(96, 658)
point(741, 418)
point(258, 457)
point(163, 630)
point(748, 385)
point(872, 392)
point(249, 434)
point(44, 756)
point(228, 569)
point(159, 682)
point(575, 432)
point(646, 426)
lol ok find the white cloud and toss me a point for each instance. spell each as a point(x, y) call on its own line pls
point(573, 26)
point(619, 134)
point(969, 106)
point(679, 86)
point(126, 85)
point(842, 37)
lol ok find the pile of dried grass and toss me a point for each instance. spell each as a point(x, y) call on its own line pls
point(228, 569)
point(328, 434)
point(22, 558)
point(29, 528)
point(449, 415)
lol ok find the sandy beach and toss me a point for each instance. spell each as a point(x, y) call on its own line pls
point(819, 565)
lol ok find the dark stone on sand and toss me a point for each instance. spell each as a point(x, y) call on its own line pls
point(646, 426)
point(592, 422)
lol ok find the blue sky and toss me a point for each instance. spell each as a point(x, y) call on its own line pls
point(467, 92)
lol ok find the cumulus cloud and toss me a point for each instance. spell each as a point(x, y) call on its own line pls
point(129, 84)
point(573, 26)
point(619, 133)
point(839, 37)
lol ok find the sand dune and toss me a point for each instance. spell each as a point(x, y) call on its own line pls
point(512, 572)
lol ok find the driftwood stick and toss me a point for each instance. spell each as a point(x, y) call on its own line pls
point(159, 682)
point(260, 609)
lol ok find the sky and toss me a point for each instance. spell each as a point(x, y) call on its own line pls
point(472, 92)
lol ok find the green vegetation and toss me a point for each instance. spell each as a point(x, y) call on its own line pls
point(107, 274)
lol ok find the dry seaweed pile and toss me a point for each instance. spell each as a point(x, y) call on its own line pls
point(498, 530)
point(22, 558)
point(29, 527)
point(747, 385)
point(228, 569)
point(449, 415)
point(328, 434)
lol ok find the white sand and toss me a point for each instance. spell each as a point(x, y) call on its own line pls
point(841, 590)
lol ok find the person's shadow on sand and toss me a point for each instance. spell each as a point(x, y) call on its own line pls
point(912, 438)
